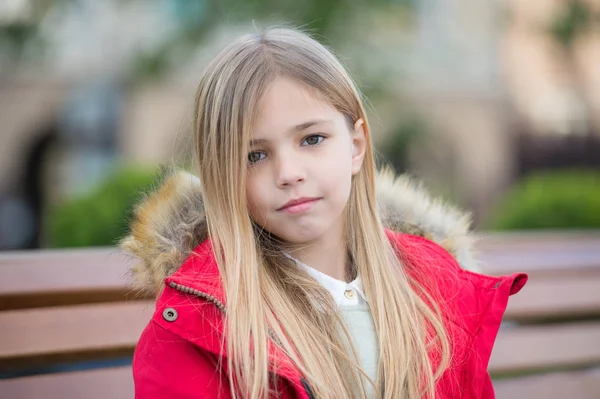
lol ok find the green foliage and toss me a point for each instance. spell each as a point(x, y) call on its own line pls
point(554, 200)
point(14, 37)
point(100, 217)
point(573, 20)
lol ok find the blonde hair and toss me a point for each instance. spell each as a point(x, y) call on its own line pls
point(270, 302)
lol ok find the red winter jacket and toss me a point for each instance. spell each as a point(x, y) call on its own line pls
point(178, 353)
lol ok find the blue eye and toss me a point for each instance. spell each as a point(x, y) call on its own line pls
point(313, 140)
point(255, 157)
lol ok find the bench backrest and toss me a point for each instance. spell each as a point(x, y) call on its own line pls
point(549, 346)
point(61, 308)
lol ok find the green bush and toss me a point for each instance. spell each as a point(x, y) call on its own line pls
point(553, 200)
point(100, 217)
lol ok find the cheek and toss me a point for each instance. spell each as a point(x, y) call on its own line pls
point(336, 173)
point(339, 163)
point(255, 198)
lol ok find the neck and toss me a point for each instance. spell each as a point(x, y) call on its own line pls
point(328, 254)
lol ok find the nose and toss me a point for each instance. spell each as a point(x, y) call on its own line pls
point(289, 171)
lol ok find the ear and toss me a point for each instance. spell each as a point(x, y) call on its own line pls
point(359, 145)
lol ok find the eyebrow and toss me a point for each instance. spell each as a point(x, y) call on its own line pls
point(297, 128)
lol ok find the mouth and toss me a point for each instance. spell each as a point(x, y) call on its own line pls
point(299, 205)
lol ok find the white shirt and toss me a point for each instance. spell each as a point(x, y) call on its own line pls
point(343, 293)
point(353, 306)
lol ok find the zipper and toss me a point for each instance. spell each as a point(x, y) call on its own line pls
point(200, 294)
point(219, 304)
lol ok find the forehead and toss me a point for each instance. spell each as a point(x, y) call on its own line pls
point(287, 103)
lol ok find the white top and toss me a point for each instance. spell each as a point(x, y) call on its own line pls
point(355, 310)
point(360, 324)
point(343, 293)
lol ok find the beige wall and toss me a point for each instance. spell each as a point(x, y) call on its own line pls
point(469, 154)
point(156, 122)
point(543, 86)
point(26, 105)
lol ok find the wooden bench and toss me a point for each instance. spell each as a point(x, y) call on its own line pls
point(63, 310)
point(549, 346)
point(69, 324)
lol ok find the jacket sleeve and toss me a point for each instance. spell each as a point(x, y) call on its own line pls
point(167, 366)
point(492, 300)
point(477, 302)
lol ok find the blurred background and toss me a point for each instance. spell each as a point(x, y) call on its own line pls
point(495, 104)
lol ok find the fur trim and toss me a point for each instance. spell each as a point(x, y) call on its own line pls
point(167, 225)
point(170, 222)
point(407, 207)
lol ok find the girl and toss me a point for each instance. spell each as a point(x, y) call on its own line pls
point(280, 272)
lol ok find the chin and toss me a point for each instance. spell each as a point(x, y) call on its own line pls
point(301, 237)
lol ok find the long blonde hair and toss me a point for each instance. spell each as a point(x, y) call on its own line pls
point(270, 302)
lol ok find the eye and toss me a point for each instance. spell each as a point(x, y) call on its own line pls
point(313, 140)
point(255, 157)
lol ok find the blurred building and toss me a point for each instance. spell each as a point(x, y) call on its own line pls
point(511, 87)
point(490, 78)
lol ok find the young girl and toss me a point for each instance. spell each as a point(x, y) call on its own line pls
point(281, 272)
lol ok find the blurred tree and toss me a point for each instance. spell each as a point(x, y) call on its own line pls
point(197, 18)
point(38, 27)
point(573, 21)
point(20, 37)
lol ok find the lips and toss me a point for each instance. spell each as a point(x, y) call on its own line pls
point(299, 204)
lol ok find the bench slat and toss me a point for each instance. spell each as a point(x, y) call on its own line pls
point(36, 279)
point(86, 331)
point(578, 385)
point(539, 263)
point(568, 297)
point(117, 383)
point(536, 239)
point(539, 252)
point(539, 347)
point(34, 337)
point(114, 383)
point(574, 257)
point(60, 277)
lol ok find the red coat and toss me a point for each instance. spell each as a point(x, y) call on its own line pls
point(177, 354)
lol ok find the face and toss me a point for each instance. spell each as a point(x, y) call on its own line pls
point(302, 158)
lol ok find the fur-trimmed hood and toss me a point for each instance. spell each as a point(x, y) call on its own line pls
point(170, 222)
